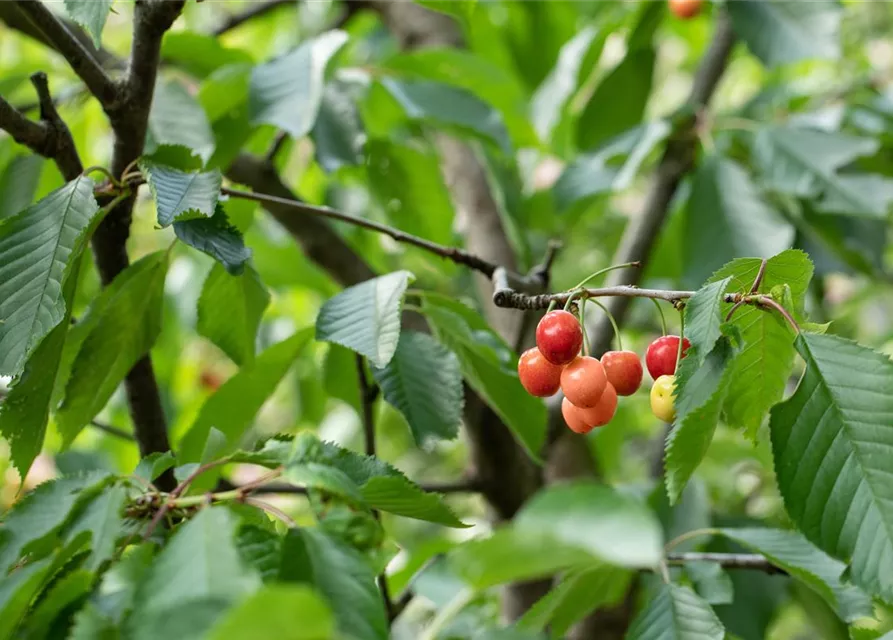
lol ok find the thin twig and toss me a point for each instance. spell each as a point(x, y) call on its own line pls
point(256, 10)
point(112, 431)
point(759, 279)
point(727, 561)
point(767, 301)
point(276, 147)
point(459, 256)
point(79, 58)
point(510, 299)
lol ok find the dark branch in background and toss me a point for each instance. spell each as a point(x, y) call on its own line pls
point(368, 393)
point(727, 561)
point(112, 431)
point(256, 10)
point(75, 53)
point(50, 137)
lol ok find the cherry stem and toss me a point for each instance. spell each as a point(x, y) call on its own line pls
point(759, 279)
point(681, 339)
point(583, 326)
point(767, 301)
point(103, 170)
point(552, 306)
point(570, 298)
point(606, 270)
point(663, 320)
point(613, 323)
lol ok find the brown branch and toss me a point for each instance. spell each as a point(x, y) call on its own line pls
point(459, 256)
point(727, 561)
point(112, 431)
point(33, 135)
point(79, 58)
point(256, 10)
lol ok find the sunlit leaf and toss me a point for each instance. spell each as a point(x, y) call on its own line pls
point(676, 613)
point(178, 119)
point(182, 196)
point(91, 15)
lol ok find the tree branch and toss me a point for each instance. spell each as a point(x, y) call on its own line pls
point(79, 58)
point(727, 561)
point(33, 135)
point(256, 10)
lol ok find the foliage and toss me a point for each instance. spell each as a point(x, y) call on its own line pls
point(267, 338)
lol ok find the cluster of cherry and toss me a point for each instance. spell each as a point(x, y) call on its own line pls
point(590, 385)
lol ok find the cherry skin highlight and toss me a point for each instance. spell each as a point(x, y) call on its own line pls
point(662, 401)
point(624, 371)
point(559, 337)
point(660, 358)
point(583, 381)
point(685, 9)
point(538, 376)
point(602, 413)
point(572, 417)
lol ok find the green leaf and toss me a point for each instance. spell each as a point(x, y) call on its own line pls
point(233, 406)
point(17, 592)
point(407, 182)
point(492, 83)
point(822, 573)
point(490, 373)
point(604, 116)
point(424, 382)
point(805, 163)
point(286, 92)
point(229, 311)
point(579, 592)
point(127, 322)
point(442, 105)
point(328, 480)
point(342, 576)
point(284, 612)
point(699, 397)
point(62, 593)
point(551, 97)
point(617, 528)
point(197, 576)
point(18, 183)
point(177, 119)
point(216, 237)
point(225, 92)
point(338, 134)
point(711, 582)
point(366, 317)
point(396, 494)
point(182, 196)
point(38, 250)
point(599, 172)
point(676, 613)
point(779, 32)
point(703, 316)
point(831, 441)
point(509, 555)
point(25, 411)
point(461, 9)
point(726, 218)
point(200, 54)
point(764, 363)
point(381, 486)
point(91, 15)
point(103, 518)
point(32, 525)
point(153, 465)
point(261, 549)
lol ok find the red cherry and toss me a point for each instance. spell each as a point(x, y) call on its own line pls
point(685, 9)
point(601, 414)
point(559, 337)
point(583, 381)
point(573, 418)
point(538, 376)
point(624, 371)
point(660, 358)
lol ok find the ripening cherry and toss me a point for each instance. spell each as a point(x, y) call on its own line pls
point(583, 381)
point(662, 398)
point(559, 337)
point(572, 416)
point(602, 413)
point(538, 376)
point(685, 9)
point(623, 370)
point(660, 358)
